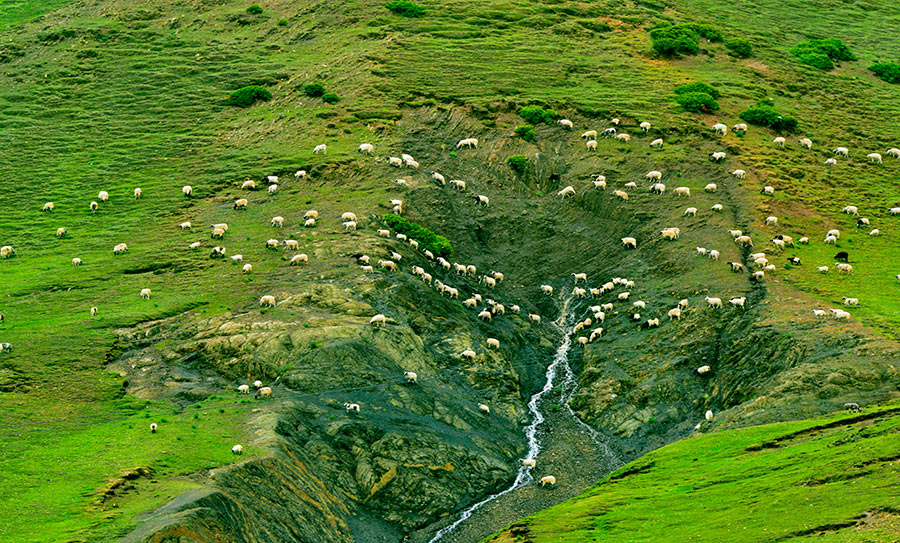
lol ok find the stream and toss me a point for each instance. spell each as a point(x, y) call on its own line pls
point(563, 445)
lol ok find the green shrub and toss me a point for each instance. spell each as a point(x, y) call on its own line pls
point(537, 115)
point(247, 96)
point(707, 32)
point(822, 54)
point(439, 245)
point(764, 114)
point(526, 132)
point(887, 71)
point(697, 102)
point(331, 98)
point(282, 22)
point(405, 8)
point(314, 90)
point(699, 87)
point(517, 163)
point(254, 9)
point(739, 47)
point(674, 40)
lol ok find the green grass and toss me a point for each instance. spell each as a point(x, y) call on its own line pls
point(812, 480)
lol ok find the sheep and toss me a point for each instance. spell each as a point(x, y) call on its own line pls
point(591, 145)
point(683, 303)
point(768, 190)
point(300, 174)
point(309, 223)
point(761, 262)
point(76, 261)
point(709, 414)
point(778, 243)
point(682, 191)
point(47, 207)
point(658, 188)
point(862, 222)
point(120, 248)
point(468, 143)
point(368, 269)
point(645, 126)
point(458, 184)
point(103, 196)
point(806, 143)
point(844, 268)
point(842, 151)
point(779, 141)
point(745, 241)
point(714, 302)
point(874, 157)
point(565, 123)
point(94, 311)
point(631, 185)
point(842, 256)
point(410, 163)
point(145, 294)
point(296, 260)
point(244, 389)
point(533, 317)
point(485, 315)
point(548, 480)
point(515, 308)
point(273, 189)
point(60, 232)
point(718, 156)
point(852, 406)
point(321, 148)
point(623, 137)
point(580, 292)
point(484, 409)
point(717, 208)
point(875, 232)
point(738, 302)
point(758, 275)
point(482, 200)
point(187, 190)
point(222, 226)
point(528, 462)
point(185, 225)
point(499, 277)
point(248, 185)
point(711, 187)
point(819, 313)
point(670, 233)
point(608, 133)
point(720, 129)
point(237, 259)
point(830, 240)
point(640, 304)
point(850, 210)
point(713, 254)
point(674, 314)
point(272, 178)
point(691, 211)
point(740, 127)
point(217, 252)
point(217, 233)
point(614, 122)
point(834, 232)
point(271, 243)
point(471, 270)
point(735, 233)
point(590, 134)
point(349, 226)
point(6, 347)
point(771, 220)
point(607, 306)
point(566, 192)
point(293, 245)
point(629, 242)
point(468, 354)
point(264, 392)
point(237, 449)
point(267, 301)
point(389, 265)
point(547, 289)
point(240, 203)
point(137, 193)
point(428, 254)
point(740, 174)
point(493, 342)
point(621, 194)
point(850, 301)
point(352, 407)
point(652, 323)
point(624, 295)
point(366, 149)
point(438, 178)
point(736, 267)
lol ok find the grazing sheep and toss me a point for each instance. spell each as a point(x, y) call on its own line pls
point(264, 392)
point(624, 295)
point(547, 289)
point(701, 251)
point(714, 302)
point(272, 178)
point(185, 225)
point(217, 252)
point(378, 320)
point(120, 248)
point(137, 193)
point(819, 313)
point(590, 134)
point(300, 174)
point(862, 222)
point(713, 254)
point(794, 260)
point(240, 203)
point(267, 301)
point(683, 303)
point(296, 260)
point(468, 354)
point(874, 157)
point(844, 268)
point(735, 233)
point(321, 148)
point(779, 141)
point(153, 427)
point(822, 269)
point(670, 233)
point(834, 232)
point(494, 343)
point(682, 191)
point(93, 206)
point(485, 315)
point(842, 151)
point(736, 267)
point(389, 265)
point(711, 187)
point(468, 143)
point(674, 313)
point(237, 449)
point(875, 232)
point(740, 174)
point(645, 126)
point(244, 389)
point(366, 148)
point(830, 162)
point(76, 261)
point(103, 196)
point(631, 185)
point(718, 156)
point(851, 210)
point(591, 145)
point(352, 407)
point(623, 137)
point(745, 241)
point(703, 370)
point(658, 142)
point(738, 302)
point(565, 123)
point(709, 414)
point(482, 200)
point(534, 318)
point(187, 190)
point(842, 256)
point(60, 232)
point(852, 406)
point(652, 323)
point(771, 220)
point(614, 122)
point(629, 242)
point(94, 311)
point(484, 409)
point(840, 314)
point(621, 194)
point(529, 462)
point(778, 243)
point(740, 127)
point(768, 190)
point(806, 143)
point(830, 240)
point(850, 301)
point(548, 480)
point(758, 275)
point(720, 129)
point(608, 133)
point(237, 259)
point(273, 189)
point(717, 208)
point(309, 223)
point(658, 188)
point(248, 185)
point(145, 294)
point(435, 176)
point(47, 207)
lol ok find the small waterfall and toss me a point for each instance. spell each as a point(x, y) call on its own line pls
point(558, 369)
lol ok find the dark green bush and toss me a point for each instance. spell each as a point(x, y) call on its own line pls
point(674, 40)
point(314, 90)
point(707, 32)
point(537, 115)
point(764, 114)
point(517, 163)
point(697, 102)
point(822, 54)
point(526, 132)
point(247, 96)
point(254, 9)
point(699, 87)
point(887, 71)
point(282, 22)
point(406, 8)
point(739, 47)
point(439, 245)
point(331, 98)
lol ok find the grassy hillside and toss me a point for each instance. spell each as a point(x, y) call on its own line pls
point(829, 479)
point(114, 95)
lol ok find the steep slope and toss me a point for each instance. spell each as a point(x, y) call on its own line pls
point(111, 95)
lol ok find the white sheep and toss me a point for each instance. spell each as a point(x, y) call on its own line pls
point(137, 193)
point(94, 311)
point(547, 289)
point(874, 157)
point(187, 190)
point(623, 137)
point(740, 127)
point(103, 196)
point(738, 302)
point(822, 269)
point(300, 174)
point(631, 185)
point(842, 151)
point(321, 148)
point(309, 223)
point(458, 184)
point(247, 268)
point(435, 176)
point(682, 191)
point(47, 207)
point(566, 123)
point(240, 203)
point(875, 232)
point(7, 251)
point(720, 129)
point(93, 206)
point(244, 389)
point(267, 301)
point(237, 449)
point(493, 342)
point(806, 143)
point(591, 145)
point(718, 156)
point(621, 194)
point(709, 414)
point(658, 142)
point(851, 210)
point(145, 294)
point(834, 232)
point(779, 141)
point(76, 261)
point(366, 148)
point(120, 248)
point(237, 259)
point(713, 254)
point(819, 313)
point(533, 317)
point(844, 268)
point(645, 126)
point(548, 480)
point(60, 232)
point(740, 174)
point(484, 409)
point(195, 245)
point(482, 200)
point(629, 242)
point(528, 462)
point(589, 134)
point(714, 302)
point(830, 162)
point(185, 225)
point(711, 187)
point(248, 185)
point(658, 188)
point(850, 301)
point(675, 313)
point(468, 354)
point(717, 208)
point(771, 220)
point(467, 143)
point(296, 260)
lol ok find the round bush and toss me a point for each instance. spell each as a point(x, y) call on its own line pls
point(526, 132)
point(674, 40)
point(739, 47)
point(406, 8)
point(536, 114)
point(254, 9)
point(764, 115)
point(517, 163)
point(314, 90)
point(697, 102)
point(886, 71)
point(331, 98)
point(699, 87)
point(247, 96)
